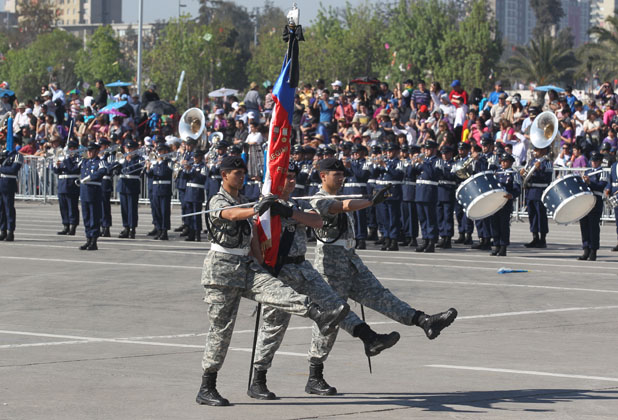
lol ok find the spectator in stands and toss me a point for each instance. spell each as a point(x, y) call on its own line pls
point(495, 95)
point(578, 160)
point(150, 95)
point(421, 96)
point(458, 93)
point(253, 101)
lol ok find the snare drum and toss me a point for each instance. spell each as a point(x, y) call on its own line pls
point(612, 201)
point(568, 199)
point(481, 195)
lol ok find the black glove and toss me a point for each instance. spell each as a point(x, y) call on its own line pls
point(264, 204)
point(381, 195)
point(280, 209)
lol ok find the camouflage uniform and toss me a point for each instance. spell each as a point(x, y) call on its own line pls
point(229, 273)
point(344, 271)
point(303, 278)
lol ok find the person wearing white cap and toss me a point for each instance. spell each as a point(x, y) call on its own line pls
point(21, 118)
point(51, 106)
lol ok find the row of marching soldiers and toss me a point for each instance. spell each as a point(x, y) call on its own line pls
point(423, 193)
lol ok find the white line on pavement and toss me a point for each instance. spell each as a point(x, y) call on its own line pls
point(525, 372)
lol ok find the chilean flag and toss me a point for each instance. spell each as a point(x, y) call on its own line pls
point(278, 158)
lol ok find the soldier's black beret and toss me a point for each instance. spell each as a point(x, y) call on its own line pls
point(229, 163)
point(331, 164)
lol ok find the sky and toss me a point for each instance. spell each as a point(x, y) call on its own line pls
point(164, 9)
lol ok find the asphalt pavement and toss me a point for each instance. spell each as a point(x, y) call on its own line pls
point(119, 333)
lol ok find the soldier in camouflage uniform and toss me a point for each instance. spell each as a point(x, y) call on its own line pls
point(341, 267)
point(299, 274)
point(230, 272)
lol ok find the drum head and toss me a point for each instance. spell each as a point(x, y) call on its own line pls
point(574, 208)
point(486, 204)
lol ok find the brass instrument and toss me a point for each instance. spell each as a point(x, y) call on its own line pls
point(463, 169)
point(612, 201)
point(191, 124)
point(529, 171)
point(543, 132)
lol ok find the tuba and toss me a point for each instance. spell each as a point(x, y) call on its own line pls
point(543, 132)
point(192, 124)
point(463, 169)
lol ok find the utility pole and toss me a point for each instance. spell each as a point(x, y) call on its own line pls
point(139, 49)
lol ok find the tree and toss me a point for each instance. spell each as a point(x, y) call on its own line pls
point(546, 59)
point(35, 17)
point(102, 58)
point(472, 52)
point(601, 57)
point(50, 58)
point(548, 14)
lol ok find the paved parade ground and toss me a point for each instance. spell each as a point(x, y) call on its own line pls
point(119, 333)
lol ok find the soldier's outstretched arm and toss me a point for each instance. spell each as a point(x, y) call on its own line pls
point(309, 219)
point(238, 214)
point(348, 205)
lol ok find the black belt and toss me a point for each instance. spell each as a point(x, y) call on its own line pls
point(293, 260)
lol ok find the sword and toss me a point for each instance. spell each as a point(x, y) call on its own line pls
point(363, 317)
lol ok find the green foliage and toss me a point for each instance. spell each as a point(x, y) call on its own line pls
point(50, 58)
point(548, 13)
point(35, 17)
point(601, 57)
point(547, 60)
point(101, 59)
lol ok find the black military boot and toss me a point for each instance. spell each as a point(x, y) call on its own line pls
point(372, 234)
point(64, 231)
point(124, 233)
point(405, 242)
point(441, 241)
point(3, 235)
point(153, 232)
point(327, 321)
point(132, 233)
point(374, 343)
point(615, 249)
point(431, 247)
point(542, 242)
point(10, 237)
point(468, 240)
point(93, 245)
point(208, 394)
point(258, 388)
point(362, 244)
point(316, 383)
point(502, 252)
point(479, 245)
point(534, 242)
point(163, 235)
point(190, 236)
point(198, 236)
point(413, 243)
point(461, 238)
point(393, 246)
point(447, 243)
point(422, 246)
point(185, 231)
point(180, 228)
point(385, 244)
point(380, 241)
point(592, 257)
point(495, 251)
point(72, 230)
point(434, 324)
point(106, 233)
point(86, 245)
point(585, 255)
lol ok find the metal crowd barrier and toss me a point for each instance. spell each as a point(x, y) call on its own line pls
point(38, 182)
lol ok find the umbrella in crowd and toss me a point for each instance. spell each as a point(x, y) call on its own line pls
point(221, 92)
point(6, 92)
point(548, 88)
point(365, 81)
point(118, 83)
point(113, 105)
point(112, 111)
point(160, 107)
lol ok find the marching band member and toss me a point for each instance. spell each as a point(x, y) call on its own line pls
point(501, 220)
point(303, 174)
point(10, 164)
point(590, 224)
point(372, 217)
point(537, 213)
point(465, 226)
point(408, 205)
point(161, 172)
point(107, 187)
point(195, 174)
point(184, 158)
point(428, 173)
point(68, 191)
point(92, 171)
point(486, 162)
point(611, 189)
point(391, 172)
point(446, 199)
point(356, 183)
point(129, 186)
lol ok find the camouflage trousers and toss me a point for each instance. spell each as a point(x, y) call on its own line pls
point(303, 278)
point(351, 278)
point(223, 308)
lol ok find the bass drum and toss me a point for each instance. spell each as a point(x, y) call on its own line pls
point(481, 195)
point(568, 199)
